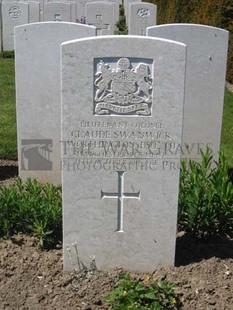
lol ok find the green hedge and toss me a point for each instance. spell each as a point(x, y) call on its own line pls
point(217, 13)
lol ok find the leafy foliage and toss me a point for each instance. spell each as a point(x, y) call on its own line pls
point(33, 208)
point(217, 13)
point(206, 197)
point(134, 294)
point(7, 54)
point(121, 24)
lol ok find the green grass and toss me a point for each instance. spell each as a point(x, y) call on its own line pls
point(8, 144)
point(227, 128)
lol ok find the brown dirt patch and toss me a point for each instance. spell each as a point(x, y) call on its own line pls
point(34, 280)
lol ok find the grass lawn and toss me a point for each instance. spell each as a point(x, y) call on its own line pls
point(8, 148)
point(227, 128)
point(8, 143)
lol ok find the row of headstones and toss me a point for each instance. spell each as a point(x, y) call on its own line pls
point(131, 108)
point(103, 15)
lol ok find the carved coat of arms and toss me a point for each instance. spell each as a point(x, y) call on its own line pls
point(123, 90)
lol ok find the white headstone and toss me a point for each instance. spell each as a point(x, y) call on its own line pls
point(101, 15)
point(141, 16)
point(205, 84)
point(116, 8)
point(41, 10)
point(73, 4)
point(37, 65)
point(34, 11)
point(58, 11)
point(13, 14)
point(120, 187)
point(126, 6)
point(81, 11)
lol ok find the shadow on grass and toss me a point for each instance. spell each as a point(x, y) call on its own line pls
point(7, 172)
point(191, 250)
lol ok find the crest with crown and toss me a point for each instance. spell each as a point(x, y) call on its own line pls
point(123, 90)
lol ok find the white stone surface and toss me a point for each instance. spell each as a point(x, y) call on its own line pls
point(126, 6)
point(41, 10)
point(101, 15)
point(34, 11)
point(81, 10)
point(205, 84)
point(116, 8)
point(73, 4)
point(9, 1)
point(58, 11)
point(120, 182)
point(38, 99)
point(141, 16)
point(13, 14)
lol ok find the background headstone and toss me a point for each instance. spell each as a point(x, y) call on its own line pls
point(81, 11)
point(205, 84)
point(41, 2)
point(116, 8)
point(37, 65)
point(141, 16)
point(120, 182)
point(34, 11)
point(126, 6)
point(58, 11)
point(73, 4)
point(13, 14)
point(101, 15)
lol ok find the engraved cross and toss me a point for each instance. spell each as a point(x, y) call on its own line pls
point(120, 195)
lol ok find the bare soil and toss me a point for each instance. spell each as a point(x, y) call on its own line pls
point(31, 279)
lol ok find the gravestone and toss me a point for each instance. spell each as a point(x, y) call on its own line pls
point(34, 11)
point(41, 10)
point(13, 14)
point(205, 84)
point(81, 11)
point(58, 11)
point(38, 96)
point(73, 8)
point(120, 182)
point(126, 6)
point(141, 16)
point(116, 8)
point(101, 15)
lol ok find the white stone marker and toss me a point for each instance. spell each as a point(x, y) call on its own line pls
point(81, 11)
point(141, 16)
point(116, 8)
point(205, 84)
point(126, 6)
point(34, 11)
point(13, 14)
point(101, 15)
point(41, 10)
point(37, 57)
point(119, 191)
point(58, 11)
